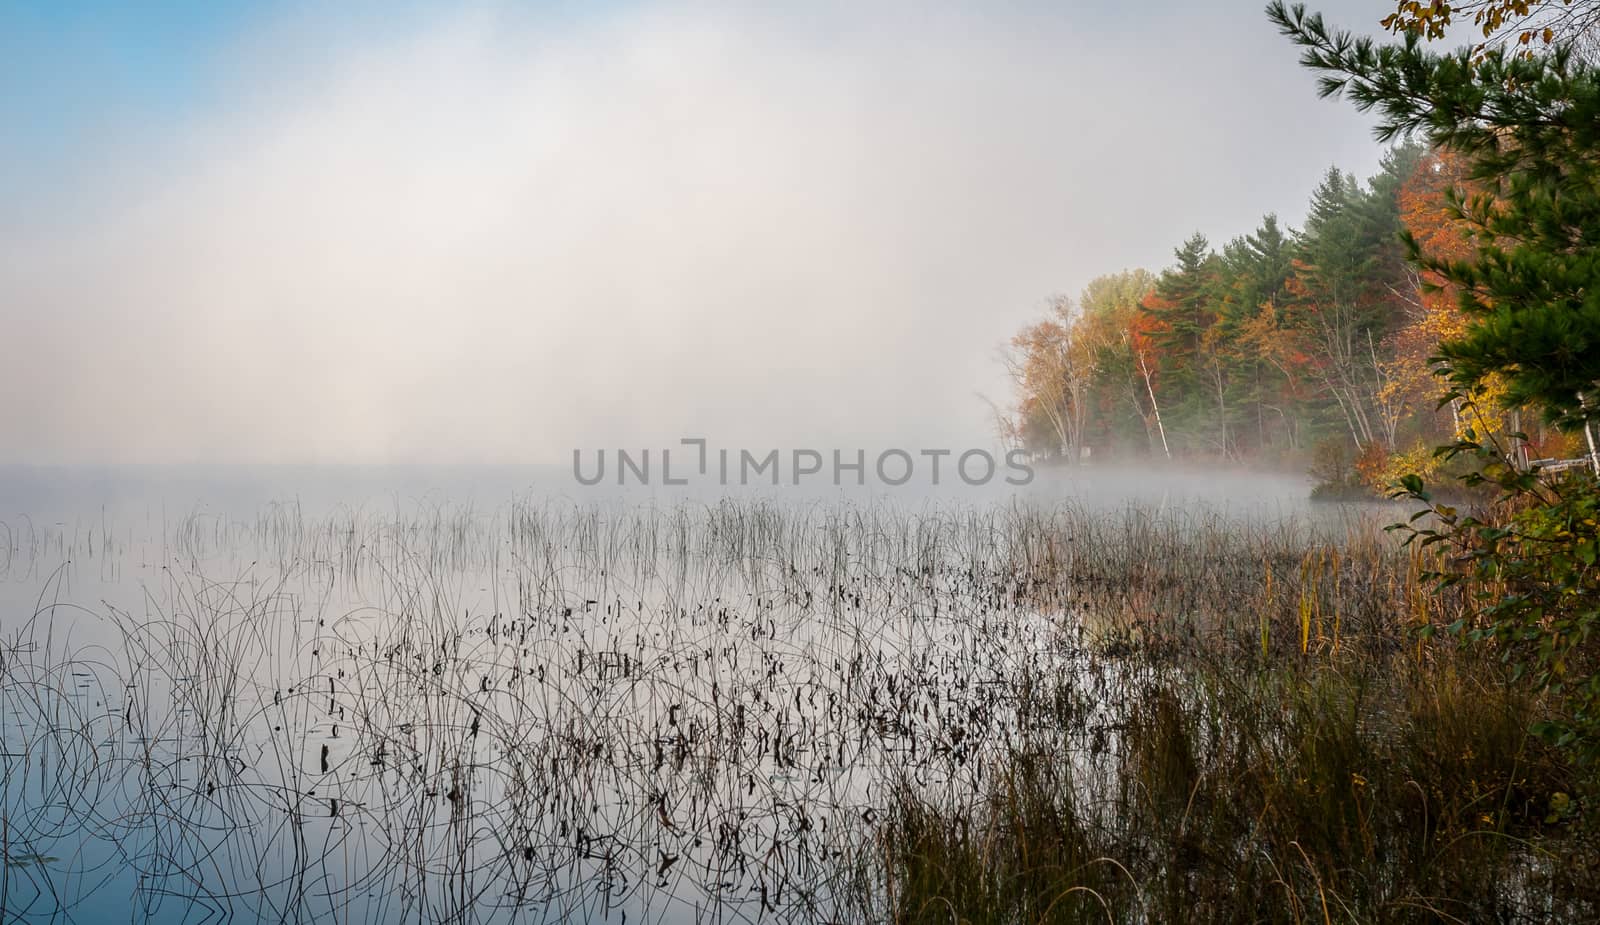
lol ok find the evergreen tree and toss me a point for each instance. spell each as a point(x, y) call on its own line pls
point(1255, 275)
point(1183, 307)
point(1530, 129)
point(1182, 301)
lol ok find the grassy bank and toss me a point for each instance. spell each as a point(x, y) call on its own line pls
point(793, 713)
point(1279, 743)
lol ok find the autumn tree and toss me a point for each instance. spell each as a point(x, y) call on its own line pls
point(1529, 130)
point(1253, 352)
point(1113, 324)
point(1520, 24)
point(1052, 363)
point(1427, 215)
point(1349, 282)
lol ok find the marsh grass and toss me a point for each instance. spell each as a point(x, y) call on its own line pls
point(749, 710)
point(1398, 788)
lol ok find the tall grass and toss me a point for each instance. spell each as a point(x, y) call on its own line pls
point(1393, 793)
point(749, 710)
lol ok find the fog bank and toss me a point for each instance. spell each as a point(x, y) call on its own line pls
point(497, 236)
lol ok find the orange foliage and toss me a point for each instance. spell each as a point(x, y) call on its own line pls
point(1425, 212)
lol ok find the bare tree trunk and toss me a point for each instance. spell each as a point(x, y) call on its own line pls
point(1588, 433)
point(1344, 406)
point(1519, 447)
point(1154, 406)
point(1261, 415)
point(1390, 408)
point(1220, 381)
point(1078, 394)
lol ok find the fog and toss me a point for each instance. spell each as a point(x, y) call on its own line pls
point(496, 236)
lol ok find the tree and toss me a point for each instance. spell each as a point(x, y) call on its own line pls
point(1255, 271)
point(1519, 23)
point(1181, 301)
point(1052, 363)
point(1352, 285)
point(1141, 343)
point(1111, 321)
point(1259, 267)
point(1529, 129)
point(1191, 360)
point(1426, 215)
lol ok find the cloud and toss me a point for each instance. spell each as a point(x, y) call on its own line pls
point(491, 236)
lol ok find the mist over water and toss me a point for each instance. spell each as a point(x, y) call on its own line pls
point(491, 236)
point(66, 517)
point(305, 613)
point(80, 495)
point(487, 694)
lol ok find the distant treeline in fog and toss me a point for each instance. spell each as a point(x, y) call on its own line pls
point(1301, 347)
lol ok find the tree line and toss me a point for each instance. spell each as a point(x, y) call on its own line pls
point(1447, 298)
point(1298, 346)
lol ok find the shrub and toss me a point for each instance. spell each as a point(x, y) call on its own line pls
point(1527, 564)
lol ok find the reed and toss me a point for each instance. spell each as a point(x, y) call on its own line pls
point(810, 713)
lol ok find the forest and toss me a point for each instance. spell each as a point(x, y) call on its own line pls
point(1311, 347)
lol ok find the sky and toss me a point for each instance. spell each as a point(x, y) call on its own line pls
point(267, 232)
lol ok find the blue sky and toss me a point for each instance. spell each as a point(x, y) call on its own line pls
point(65, 65)
point(73, 72)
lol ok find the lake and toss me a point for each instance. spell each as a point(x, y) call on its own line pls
point(411, 694)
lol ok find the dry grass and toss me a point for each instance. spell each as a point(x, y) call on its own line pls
point(747, 710)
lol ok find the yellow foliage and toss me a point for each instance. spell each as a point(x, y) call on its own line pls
point(1418, 460)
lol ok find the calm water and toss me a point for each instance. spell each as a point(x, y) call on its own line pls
point(494, 695)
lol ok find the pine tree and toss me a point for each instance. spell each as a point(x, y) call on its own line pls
point(1182, 301)
point(1529, 128)
point(1256, 269)
point(1183, 309)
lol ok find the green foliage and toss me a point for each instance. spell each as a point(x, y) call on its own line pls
point(1257, 351)
point(1182, 302)
point(1256, 272)
point(1530, 128)
point(1528, 567)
